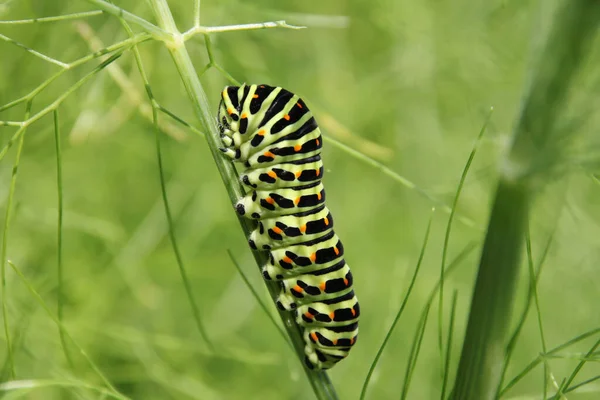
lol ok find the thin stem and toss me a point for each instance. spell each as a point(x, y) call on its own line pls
point(461, 184)
point(54, 318)
point(4, 250)
point(449, 345)
point(57, 18)
point(131, 91)
point(414, 351)
point(363, 392)
point(318, 379)
point(541, 357)
point(533, 289)
point(59, 185)
point(196, 13)
point(197, 29)
point(48, 383)
point(106, 51)
point(578, 368)
point(399, 179)
point(152, 29)
point(34, 52)
point(56, 103)
point(179, 258)
point(163, 187)
point(513, 339)
point(480, 368)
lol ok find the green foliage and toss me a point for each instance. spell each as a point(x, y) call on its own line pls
point(401, 90)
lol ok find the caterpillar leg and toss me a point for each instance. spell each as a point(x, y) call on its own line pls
point(233, 154)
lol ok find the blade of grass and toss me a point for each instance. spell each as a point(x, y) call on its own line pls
point(118, 47)
point(59, 245)
point(34, 52)
point(57, 18)
point(163, 188)
point(48, 383)
point(581, 384)
point(480, 366)
point(540, 358)
point(400, 311)
point(577, 369)
point(514, 337)
point(54, 318)
point(4, 251)
point(152, 29)
point(449, 345)
point(399, 179)
point(459, 188)
point(414, 351)
point(533, 289)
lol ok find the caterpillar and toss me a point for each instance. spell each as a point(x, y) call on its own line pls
point(273, 133)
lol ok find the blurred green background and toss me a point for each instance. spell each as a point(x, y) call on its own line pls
point(406, 83)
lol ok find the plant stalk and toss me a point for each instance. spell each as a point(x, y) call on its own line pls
point(529, 163)
point(319, 380)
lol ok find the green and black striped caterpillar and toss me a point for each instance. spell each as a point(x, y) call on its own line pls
point(274, 134)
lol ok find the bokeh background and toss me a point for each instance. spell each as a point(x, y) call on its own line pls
point(408, 84)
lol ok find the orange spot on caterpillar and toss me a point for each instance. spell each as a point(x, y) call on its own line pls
point(277, 230)
point(313, 257)
point(297, 288)
point(261, 86)
point(270, 201)
point(322, 286)
point(261, 132)
point(318, 142)
point(337, 252)
point(331, 315)
point(299, 105)
point(298, 174)
point(352, 340)
point(318, 172)
point(286, 117)
point(314, 336)
point(230, 111)
point(346, 282)
point(297, 201)
point(244, 115)
point(272, 174)
point(326, 220)
point(319, 198)
point(335, 342)
point(353, 312)
point(286, 259)
point(308, 315)
point(268, 154)
point(255, 96)
point(297, 147)
point(303, 228)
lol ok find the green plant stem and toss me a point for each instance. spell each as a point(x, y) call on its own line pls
point(461, 184)
point(61, 294)
point(528, 163)
point(318, 379)
point(54, 318)
point(152, 29)
point(363, 392)
point(483, 349)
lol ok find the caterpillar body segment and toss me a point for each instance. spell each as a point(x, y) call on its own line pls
point(261, 204)
point(274, 135)
point(306, 257)
point(289, 174)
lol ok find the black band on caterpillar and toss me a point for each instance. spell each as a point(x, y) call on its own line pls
point(273, 133)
